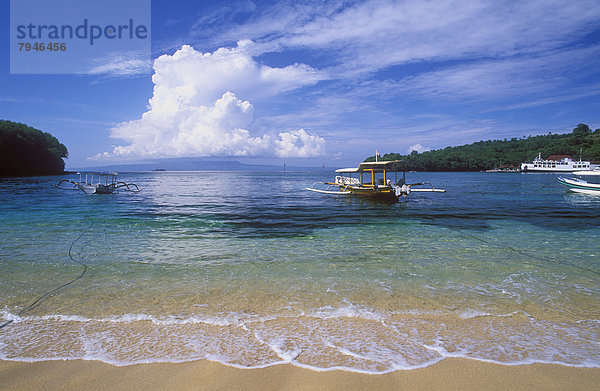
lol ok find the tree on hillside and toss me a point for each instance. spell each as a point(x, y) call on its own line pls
point(581, 131)
point(582, 128)
point(26, 151)
point(484, 155)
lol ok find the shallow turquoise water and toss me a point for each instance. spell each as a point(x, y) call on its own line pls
point(248, 269)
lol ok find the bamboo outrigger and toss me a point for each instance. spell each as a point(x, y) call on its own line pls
point(106, 183)
point(374, 179)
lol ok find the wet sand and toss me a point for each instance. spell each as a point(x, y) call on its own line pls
point(449, 374)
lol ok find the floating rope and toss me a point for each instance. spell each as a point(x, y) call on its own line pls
point(523, 252)
point(49, 294)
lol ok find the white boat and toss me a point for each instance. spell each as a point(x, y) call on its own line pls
point(556, 163)
point(98, 183)
point(580, 186)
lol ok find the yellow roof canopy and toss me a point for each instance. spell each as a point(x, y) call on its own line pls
point(347, 170)
point(389, 165)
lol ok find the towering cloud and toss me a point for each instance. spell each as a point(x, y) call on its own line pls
point(195, 109)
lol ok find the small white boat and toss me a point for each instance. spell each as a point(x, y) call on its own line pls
point(580, 186)
point(104, 183)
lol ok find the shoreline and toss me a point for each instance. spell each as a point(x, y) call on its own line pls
point(448, 374)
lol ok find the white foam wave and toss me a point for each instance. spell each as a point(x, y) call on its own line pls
point(297, 346)
point(348, 310)
point(468, 313)
point(462, 354)
point(392, 367)
point(223, 319)
point(348, 352)
point(7, 316)
point(416, 312)
point(471, 313)
point(278, 345)
point(59, 317)
point(589, 321)
point(241, 319)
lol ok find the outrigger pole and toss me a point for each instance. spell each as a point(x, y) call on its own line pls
point(107, 186)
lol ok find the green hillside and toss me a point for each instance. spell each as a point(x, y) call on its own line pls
point(26, 151)
point(485, 155)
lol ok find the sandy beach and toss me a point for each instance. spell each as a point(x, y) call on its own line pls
point(449, 374)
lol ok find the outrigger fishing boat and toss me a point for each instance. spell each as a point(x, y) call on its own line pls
point(373, 179)
point(105, 183)
point(580, 186)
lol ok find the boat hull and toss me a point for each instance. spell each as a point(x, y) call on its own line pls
point(97, 189)
point(558, 170)
point(105, 189)
point(384, 194)
point(580, 186)
point(87, 189)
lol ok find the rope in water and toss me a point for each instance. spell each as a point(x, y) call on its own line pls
point(523, 252)
point(49, 294)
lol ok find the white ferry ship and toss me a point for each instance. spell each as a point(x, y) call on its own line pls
point(556, 163)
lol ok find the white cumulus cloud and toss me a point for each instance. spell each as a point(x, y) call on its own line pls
point(195, 109)
point(417, 147)
point(299, 143)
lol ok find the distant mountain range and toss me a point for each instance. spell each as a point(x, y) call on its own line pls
point(195, 164)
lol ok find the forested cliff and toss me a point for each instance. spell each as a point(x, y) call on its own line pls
point(26, 151)
point(485, 155)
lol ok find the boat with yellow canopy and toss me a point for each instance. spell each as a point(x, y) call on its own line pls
point(378, 179)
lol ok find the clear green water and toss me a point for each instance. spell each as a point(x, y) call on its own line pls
point(251, 270)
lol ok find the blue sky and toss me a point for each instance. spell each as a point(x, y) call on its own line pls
point(308, 83)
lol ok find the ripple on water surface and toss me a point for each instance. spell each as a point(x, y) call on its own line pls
point(212, 265)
